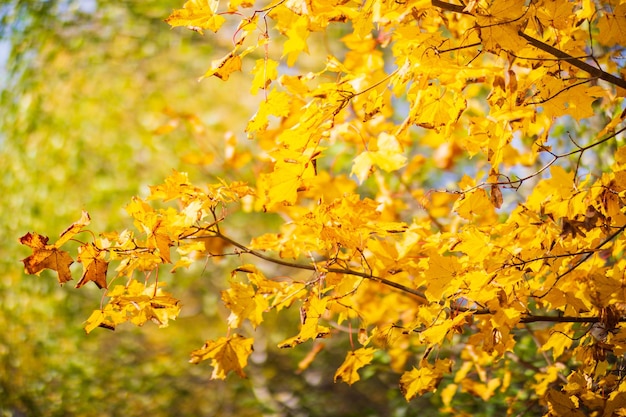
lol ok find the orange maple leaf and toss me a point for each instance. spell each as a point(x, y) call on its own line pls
point(46, 256)
point(95, 267)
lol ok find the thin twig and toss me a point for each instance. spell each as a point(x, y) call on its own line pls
point(523, 262)
point(518, 182)
point(584, 259)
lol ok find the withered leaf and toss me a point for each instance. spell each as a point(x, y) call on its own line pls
point(46, 256)
point(496, 196)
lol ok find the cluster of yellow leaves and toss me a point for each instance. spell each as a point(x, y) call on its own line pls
point(249, 300)
point(185, 227)
point(478, 91)
point(549, 254)
point(349, 222)
point(137, 303)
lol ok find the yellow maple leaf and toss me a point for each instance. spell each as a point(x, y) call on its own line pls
point(552, 195)
point(277, 104)
point(73, 229)
point(546, 377)
point(558, 97)
point(311, 311)
point(556, 13)
point(561, 404)
point(264, 71)
point(223, 67)
point(159, 239)
point(559, 340)
point(436, 334)
point(499, 26)
point(474, 243)
point(107, 318)
point(355, 360)
point(175, 186)
point(95, 320)
point(226, 353)
point(440, 276)
point(281, 186)
point(435, 107)
point(297, 33)
point(137, 303)
point(612, 26)
point(424, 379)
point(197, 15)
point(480, 389)
point(388, 156)
point(473, 203)
point(244, 303)
point(162, 308)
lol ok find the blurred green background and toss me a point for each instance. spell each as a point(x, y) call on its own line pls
point(98, 101)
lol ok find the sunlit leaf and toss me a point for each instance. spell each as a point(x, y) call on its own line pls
point(197, 15)
point(354, 361)
point(226, 353)
point(222, 68)
point(73, 229)
point(423, 379)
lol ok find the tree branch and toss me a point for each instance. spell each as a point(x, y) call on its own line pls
point(457, 8)
point(561, 319)
point(418, 294)
point(529, 318)
point(594, 71)
point(591, 145)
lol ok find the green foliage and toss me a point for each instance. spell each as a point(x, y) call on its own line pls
point(84, 94)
